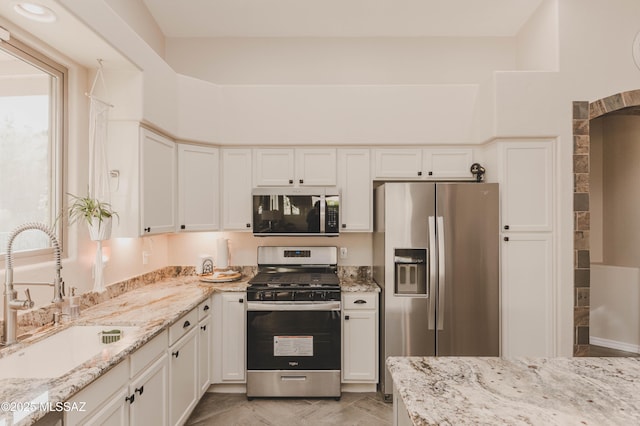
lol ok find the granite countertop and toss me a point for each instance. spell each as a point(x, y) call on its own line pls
point(531, 391)
point(151, 307)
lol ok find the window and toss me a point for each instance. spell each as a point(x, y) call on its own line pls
point(32, 99)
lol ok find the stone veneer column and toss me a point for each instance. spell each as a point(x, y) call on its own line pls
point(581, 263)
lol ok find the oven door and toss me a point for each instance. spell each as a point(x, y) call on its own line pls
point(293, 336)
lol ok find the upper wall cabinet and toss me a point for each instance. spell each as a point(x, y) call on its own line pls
point(158, 189)
point(354, 181)
point(527, 185)
point(428, 163)
point(236, 189)
point(143, 180)
point(198, 188)
point(294, 167)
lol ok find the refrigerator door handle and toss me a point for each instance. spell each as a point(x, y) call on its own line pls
point(441, 276)
point(432, 273)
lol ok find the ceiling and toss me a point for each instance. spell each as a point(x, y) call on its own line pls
point(341, 18)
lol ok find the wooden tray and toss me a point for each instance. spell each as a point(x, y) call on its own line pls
point(220, 277)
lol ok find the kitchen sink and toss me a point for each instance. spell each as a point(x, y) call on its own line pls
point(60, 352)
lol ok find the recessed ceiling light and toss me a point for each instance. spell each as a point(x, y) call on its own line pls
point(35, 12)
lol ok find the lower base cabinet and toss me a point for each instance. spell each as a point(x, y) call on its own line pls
point(360, 338)
point(150, 390)
point(183, 364)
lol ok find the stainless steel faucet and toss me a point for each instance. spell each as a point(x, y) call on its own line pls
point(11, 303)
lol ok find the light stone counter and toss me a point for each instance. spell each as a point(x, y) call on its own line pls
point(152, 307)
point(524, 391)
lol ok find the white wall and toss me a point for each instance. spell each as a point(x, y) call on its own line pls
point(537, 41)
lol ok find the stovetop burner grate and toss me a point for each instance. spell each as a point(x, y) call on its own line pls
point(295, 279)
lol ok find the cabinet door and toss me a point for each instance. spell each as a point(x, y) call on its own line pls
point(236, 189)
point(150, 391)
point(527, 295)
point(273, 167)
point(447, 163)
point(204, 355)
point(198, 193)
point(228, 360)
point(183, 365)
point(360, 352)
point(114, 412)
point(354, 181)
point(398, 163)
point(526, 182)
point(158, 183)
point(316, 167)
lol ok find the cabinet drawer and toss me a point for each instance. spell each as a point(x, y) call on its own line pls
point(204, 309)
point(360, 301)
point(182, 326)
point(148, 353)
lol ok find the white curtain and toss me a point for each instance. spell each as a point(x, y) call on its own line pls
point(98, 166)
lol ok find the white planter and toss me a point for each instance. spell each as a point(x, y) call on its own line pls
point(99, 231)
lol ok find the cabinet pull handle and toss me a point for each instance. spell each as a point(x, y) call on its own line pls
point(290, 181)
point(240, 300)
point(186, 324)
point(506, 238)
point(147, 229)
point(248, 225)
point(175, 354)
point(139, 390)
point(206, 308)
point(419, 173)
point(360, 301)
point(131, 398)
point(203, 328)
point(346, 317)
point(506, 227)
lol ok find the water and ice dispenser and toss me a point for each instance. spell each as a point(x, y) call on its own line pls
point(410, 272)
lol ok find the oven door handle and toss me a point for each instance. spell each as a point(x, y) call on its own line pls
point(293, 306)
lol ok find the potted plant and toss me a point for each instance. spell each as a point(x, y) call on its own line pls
point(97, 214)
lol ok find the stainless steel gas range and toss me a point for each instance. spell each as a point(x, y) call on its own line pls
point(293, 324)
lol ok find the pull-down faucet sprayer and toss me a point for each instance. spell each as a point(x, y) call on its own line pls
point(11, 303)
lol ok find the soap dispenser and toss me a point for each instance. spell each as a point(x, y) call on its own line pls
point(74, 304)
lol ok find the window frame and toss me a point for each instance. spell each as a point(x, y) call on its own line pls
point(58, 103)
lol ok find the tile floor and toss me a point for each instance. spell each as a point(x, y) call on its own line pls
point(234, 409)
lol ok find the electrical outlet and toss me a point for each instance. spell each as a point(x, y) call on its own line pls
point(343, 253)
point(145, 257)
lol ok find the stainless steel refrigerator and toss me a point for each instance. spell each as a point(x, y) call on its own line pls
point(435, 256)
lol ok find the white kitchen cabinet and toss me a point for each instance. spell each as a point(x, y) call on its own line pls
point(204, 346)
point(142, 166)
point(423, 164)
point(183, 370)
point(198, 188)
point(447, 163)
point(150, 392)
point(113, 412)
point(400, 412)
point(354, 182)
point(158, 183)
point(360, 337)
point(526, 183)
point(294, 167)
point(229, 330)
point(236, 189)
point(527, 295)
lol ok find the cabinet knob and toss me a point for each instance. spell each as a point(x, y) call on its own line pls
point(346, 317)
point(290, 181)
point(183, 226)
point(248, 225)
point(147, 229)
point(419, 173)
point(203, 327)
point(175, 354)
point(344, 225)
point(430, 173)
point(506, 227)
point(301, 180)
point(139, 390)
point(506, 238)
point(240, 300)
point(186, 324)
point(131, 398)
point(206, 308)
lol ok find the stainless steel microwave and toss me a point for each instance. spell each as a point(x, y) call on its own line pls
point(296, 211)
